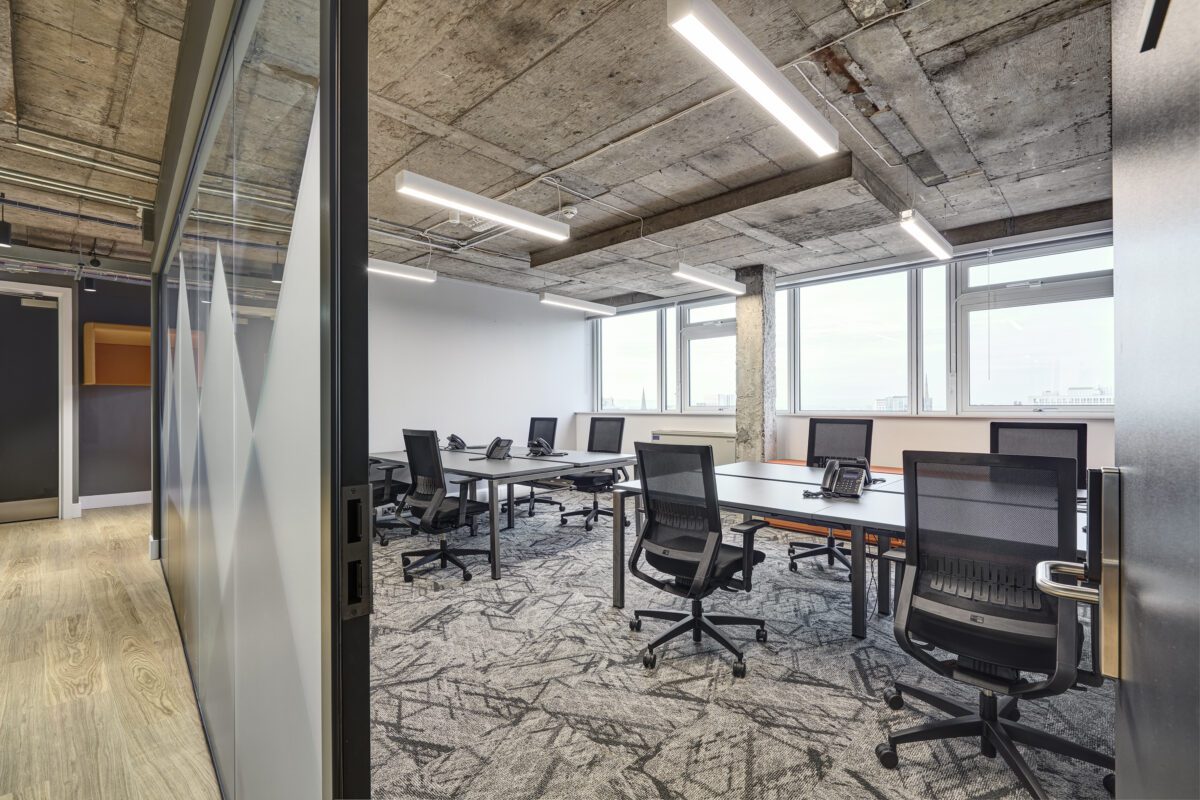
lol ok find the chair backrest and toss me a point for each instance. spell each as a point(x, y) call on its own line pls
point(543, 428)
point(1056, 439)
point(679, 494)
point(424, 464)
point(838, 438)
point(976, 527)
point(605, 434)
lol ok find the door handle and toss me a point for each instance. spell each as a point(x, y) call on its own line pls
point(1044, 577)
point(1104, 519)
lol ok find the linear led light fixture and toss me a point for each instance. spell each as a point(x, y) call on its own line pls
point(578, 305)
point(709, 280)
point(720, 41)
point(920, 229)
point(443, 194)
point(380, 267)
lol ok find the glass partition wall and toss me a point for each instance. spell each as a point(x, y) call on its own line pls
point(249, 437)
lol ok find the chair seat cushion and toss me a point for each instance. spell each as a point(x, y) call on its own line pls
point(591, 480)
point(447, 514)
point(729, 563)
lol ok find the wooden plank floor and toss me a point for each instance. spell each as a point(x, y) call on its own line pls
point(95, 699)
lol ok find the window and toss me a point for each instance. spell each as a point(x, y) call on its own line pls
point(709, 345)
point(853, 338)
point(935, 367)
point(1040, 334)
point(712, 379)
point(1041, 267)
point(1056, 354)
point(711, 312)
point(1030, 331)
point(629, 362)
point(783, 325)
point(671, 351)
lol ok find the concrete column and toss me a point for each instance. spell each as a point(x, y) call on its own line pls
point(756, 365)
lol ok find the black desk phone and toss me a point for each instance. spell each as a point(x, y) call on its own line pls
point(847, 477)
point(455, 442)
point(540, 447)
point(498, 449)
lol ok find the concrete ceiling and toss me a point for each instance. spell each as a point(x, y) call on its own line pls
point(977, 111)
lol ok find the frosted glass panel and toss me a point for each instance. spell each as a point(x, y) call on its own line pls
point(242, 414)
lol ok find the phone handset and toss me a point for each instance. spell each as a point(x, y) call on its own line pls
point(847, 477)
point(540, 447)
point(455, 442)
point(498, 449)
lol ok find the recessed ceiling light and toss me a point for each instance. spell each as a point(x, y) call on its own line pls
point(920, 229)
point(708, 279)
point(443, 194)
point(380, 267)
point(722, 43)
point(578, 305)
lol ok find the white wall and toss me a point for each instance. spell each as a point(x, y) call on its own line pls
point(474, 360)
point(891, 435)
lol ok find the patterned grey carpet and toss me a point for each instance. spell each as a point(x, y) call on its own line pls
point(533, 687)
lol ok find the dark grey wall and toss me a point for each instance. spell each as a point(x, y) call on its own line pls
point(1156, 231)
point(114, 421)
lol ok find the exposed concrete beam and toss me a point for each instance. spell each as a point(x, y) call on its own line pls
point(833, 169)
point(8, 86)
point(1098, 211)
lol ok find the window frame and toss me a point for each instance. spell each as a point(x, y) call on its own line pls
point(1088, 286)
point(694, 331)
point(960, 300)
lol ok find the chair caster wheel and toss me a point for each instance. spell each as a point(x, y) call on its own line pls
point(383, 542)
point(761, 634)
point(635, 624)
point(893, 699)
point(466, 576)
point(407, 578)
point(649, 660)
point(1110, 784)
point(404, 561)
point(587, 527)
point(793, 566)
point(739, 669)
point(562, 521)
point(562, 508)
point(886, 755)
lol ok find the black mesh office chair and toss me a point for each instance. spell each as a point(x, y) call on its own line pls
point(387, 489)
point(832, 438)
point(681, 537)
point(976, 527)
point(542, 428)
point(439, 513)
point(604, 436)
point(1056, 439)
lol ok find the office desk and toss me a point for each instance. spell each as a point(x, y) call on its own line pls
point(876, 510)
point(521, 468)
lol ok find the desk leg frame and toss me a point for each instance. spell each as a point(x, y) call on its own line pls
point(494, 526)
point(885, 574)
point(618, 543)
point(858, 587)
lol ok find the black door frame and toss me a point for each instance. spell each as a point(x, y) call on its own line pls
point(343, 109)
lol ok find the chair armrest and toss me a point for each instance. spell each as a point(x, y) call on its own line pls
point(747, 530)
point(462, 481)
point(897, 555)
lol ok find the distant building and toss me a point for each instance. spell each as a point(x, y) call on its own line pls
point(897, 402)
point(1075, 396)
